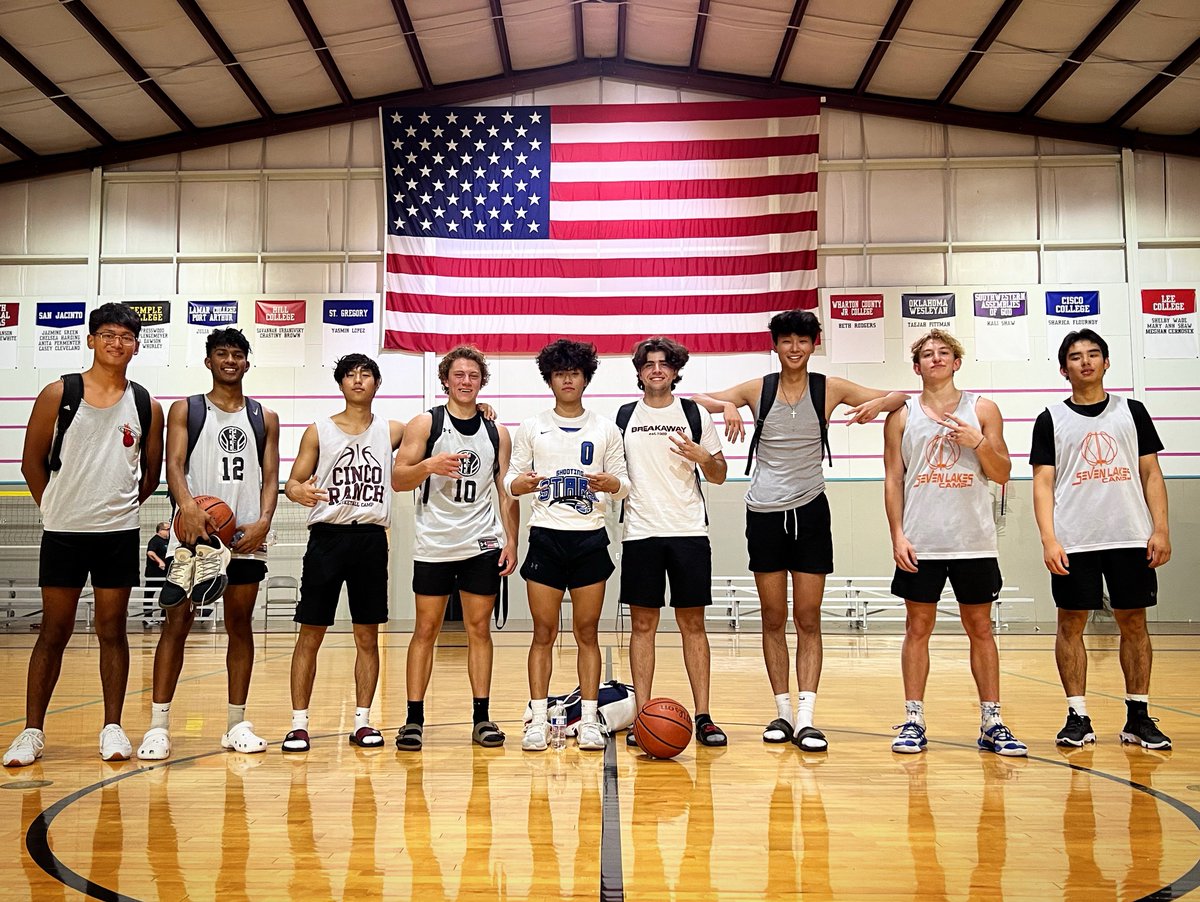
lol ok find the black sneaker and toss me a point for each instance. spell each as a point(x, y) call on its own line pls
point(630, 740)
point(1076, 731)
point(180, 577)
point(1140, 730)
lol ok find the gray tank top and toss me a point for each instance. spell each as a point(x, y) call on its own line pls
point(788, 473)
point(355, 471)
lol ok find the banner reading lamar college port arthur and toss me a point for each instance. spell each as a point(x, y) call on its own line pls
point(202, 318)
point(1169, 323)
point(279, 333)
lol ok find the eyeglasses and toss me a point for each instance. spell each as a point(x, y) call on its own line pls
point(117, 337)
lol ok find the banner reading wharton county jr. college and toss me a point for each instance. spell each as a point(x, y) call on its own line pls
point(1001, 325)
point(154, 343)
point(921, 312)
point(1069, 311)
point(856, 324)
point(202, 318)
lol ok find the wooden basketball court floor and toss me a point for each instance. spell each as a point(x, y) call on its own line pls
point(747, 822)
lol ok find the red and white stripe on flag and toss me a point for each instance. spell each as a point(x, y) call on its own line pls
point(695, 220)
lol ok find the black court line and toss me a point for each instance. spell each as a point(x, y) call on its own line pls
point(612, 873)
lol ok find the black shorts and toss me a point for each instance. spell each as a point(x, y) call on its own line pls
point(647, 564)
point(354, 555)
point(974, 580)
point(799, 540)
point(1132, 582)
point(478, 575)
point(244, 571)
point(567, 558)
point(114, 559)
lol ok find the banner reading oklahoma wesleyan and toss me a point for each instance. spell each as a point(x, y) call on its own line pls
point(1069, 311)
point(921, 312)
point(61, 327)
point(8, 335)
point(279, 333)
point(856, 321)
point(1169, 322)
point(1001, 325)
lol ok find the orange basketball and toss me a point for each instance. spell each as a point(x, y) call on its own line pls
point(221, 513)
point(663, 728)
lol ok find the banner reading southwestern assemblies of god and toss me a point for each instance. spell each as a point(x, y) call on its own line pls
point(9, 314)
point(1069, 311)
point(1169, 322)
point(202, 318)
point(1001, 325)
point(856, 324)
point(921, 312)
point(61, 327)
point(154, 342)
point(279, 332)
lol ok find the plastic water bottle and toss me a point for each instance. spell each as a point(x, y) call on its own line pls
point(558, 726)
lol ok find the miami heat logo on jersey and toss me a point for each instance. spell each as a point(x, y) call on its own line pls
point(232, 440)
point(1100, 450)
point(128, 436)
point(941, 456)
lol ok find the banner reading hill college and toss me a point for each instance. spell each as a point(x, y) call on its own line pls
point(509, 227)
point(279, 332)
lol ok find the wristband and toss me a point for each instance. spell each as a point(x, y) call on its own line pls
point(982, 439)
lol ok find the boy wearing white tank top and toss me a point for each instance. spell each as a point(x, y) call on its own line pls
point(1101, 506)
point(939, 452)
point(341, 475)
point(89, 505)
point(223, 459)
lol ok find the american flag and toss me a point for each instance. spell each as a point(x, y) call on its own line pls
point(509, 227)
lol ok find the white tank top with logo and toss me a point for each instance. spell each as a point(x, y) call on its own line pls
point(458, 518)
point(224, 463)
point(1098, 498)
point(356, 472)
point(947, 503)
point(97, 487)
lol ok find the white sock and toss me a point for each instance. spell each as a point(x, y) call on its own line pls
point(300, 719)
point(914, 711)
point(1078, 703)
point(237, 713)
point(1144, 699)
point(783, 706)
point(539, 707)
point(361, 716)
point(805, 704)
point(989, 715)
point(591, 710)
point(160, 716)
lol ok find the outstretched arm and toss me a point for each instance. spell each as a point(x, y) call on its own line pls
point(728, 402)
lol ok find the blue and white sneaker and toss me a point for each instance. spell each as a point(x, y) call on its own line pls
point(999, 739)
point(911, 739)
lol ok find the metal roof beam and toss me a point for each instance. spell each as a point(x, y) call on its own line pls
point(1174, 69)
point(14, 145)
point(698, 35)
point(225, 55)
point(414, 46)
point(899, 11)
point(501, 37)
point(53, 93)
point(972, 59)
point(789, 40)
point(317, 40)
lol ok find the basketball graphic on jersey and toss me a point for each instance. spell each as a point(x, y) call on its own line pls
point(232, 440)
point(1099, 449)
point(356, 478)
point(942, 452)
point(470, 464)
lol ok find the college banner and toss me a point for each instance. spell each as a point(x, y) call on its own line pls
point(279, 332)
point(1169, 323)
point(348, 327)
point(856, 324)
point(202, 318)
point(9, 312)
point(61, 327)
point(1001, 325)
point(921, 312)
point(154, 343)
point(1069, 311)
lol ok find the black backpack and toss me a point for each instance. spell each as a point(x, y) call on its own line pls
point(197, 413)
point(72, 397)
point(691, 410)
point(770, 388)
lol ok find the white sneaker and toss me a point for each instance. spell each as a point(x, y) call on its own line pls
point(591, 736)
point(241, 738)
point(180, 576)
point(211, 579)
point(156, 745)
point(26, 748)
point(535, 736)
point(114, 744)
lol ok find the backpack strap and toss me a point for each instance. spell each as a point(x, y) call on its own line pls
point(436, 424)
point(197, 413)
point(258, 425)
point(770, 387)
point(500, 610)
point(72, 396)
point(691, 410)
point(624, 415)
point(141, 400)
point(816, 390)
point(494, 436)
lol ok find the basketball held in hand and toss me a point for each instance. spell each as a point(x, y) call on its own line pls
point(663, 728)
point(221, 513)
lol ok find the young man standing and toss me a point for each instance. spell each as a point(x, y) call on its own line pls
point(939, 451)
point(227, 445)
point(574, 461)
point(787, 517)
point(666, 523)
point(456, 459)
point(1101, 506)
point(341, 475)
point(85, 481)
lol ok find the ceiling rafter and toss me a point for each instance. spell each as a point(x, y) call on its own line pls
point(501, 37)
point(622, 28)
point(577, 8)
point(899, 11)
point(698, 35)
point(202, 24)
point(1173, 70)
point(789, 40)
point(414, 45)
point(980, 47)
point(53, 93)
point(107, 40)
point(11, 141)
point(317, 40)
point(1095, 38)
